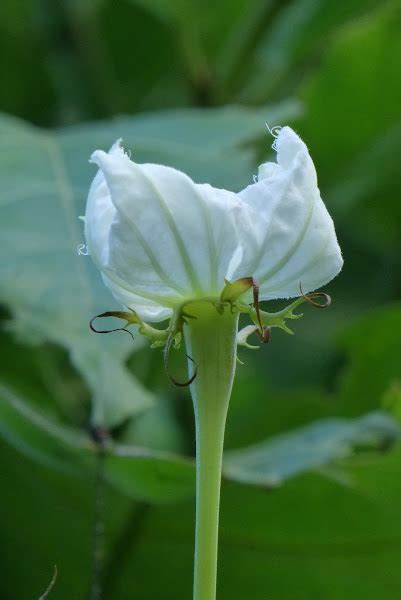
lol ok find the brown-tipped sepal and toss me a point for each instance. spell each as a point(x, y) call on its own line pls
point(130, 317)
point(233, 290)
point(158, 337)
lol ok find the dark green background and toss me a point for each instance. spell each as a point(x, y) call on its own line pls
point(196, 82)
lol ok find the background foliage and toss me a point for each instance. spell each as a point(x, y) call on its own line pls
point(310, 504)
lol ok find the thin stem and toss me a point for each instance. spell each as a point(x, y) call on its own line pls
point(233, 62)
point(211, 343)
point(124, 548)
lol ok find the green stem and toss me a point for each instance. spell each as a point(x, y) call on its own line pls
point(211, 343)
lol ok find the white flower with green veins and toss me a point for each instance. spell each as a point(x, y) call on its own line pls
point(160, 240)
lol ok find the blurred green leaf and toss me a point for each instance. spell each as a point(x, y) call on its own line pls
point(201, 27)
point(50, 519)
point(138, 63)
point(26, 87)
point(372, 345)
point(292, 45)
point(86, 7)
point(391, 399)
point(309, 448)
point(51, 291)
point(143, 473)
point(328, 537)
point(213, 145)
point(39, 438)
point(157, 476)
point(150, 475)
point(369, 176)
point(156, 428)
point(354, 96)
point(309, 538)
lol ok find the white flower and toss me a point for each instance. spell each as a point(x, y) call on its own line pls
point(159, 239)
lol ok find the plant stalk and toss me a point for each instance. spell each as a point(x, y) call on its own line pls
point(211, 343)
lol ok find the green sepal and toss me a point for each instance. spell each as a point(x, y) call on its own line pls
point(158, 337)
point(131, 318)
point(278, 319)
point(243, 335)
point(232, 291)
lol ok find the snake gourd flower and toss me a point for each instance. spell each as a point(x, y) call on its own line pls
point(198, 256)
point(161, 240)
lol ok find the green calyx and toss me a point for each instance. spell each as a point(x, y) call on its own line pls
point(235, 297)
point(264, 321)
point(234, 290)
point(278, 319)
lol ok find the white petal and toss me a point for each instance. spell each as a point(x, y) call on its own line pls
point(288, 237)
point(99, 216)
point(170, 238)
point(100, 213)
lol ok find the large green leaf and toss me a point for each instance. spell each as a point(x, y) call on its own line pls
point(142, 473)
point(309, 448)
point(51, 291)
point(335, 542)
point(43, 440)
point(149, 475)
point(163, 477)
point(213, 145)
point(310, 538)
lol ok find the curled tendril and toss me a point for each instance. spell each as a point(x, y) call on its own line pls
point(118, 315)
point(310, 298)
point(275, 130)
point(166, 359)
point(83, 250)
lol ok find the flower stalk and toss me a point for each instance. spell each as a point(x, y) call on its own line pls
point(211, 342)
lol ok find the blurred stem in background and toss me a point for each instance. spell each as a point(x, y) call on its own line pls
point(195, 61)
point(84, 29)
point(211, 343)
point(233, 64)
point(99, 436)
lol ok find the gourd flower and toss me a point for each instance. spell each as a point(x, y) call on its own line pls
point(161, 240)
point(172, 249)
